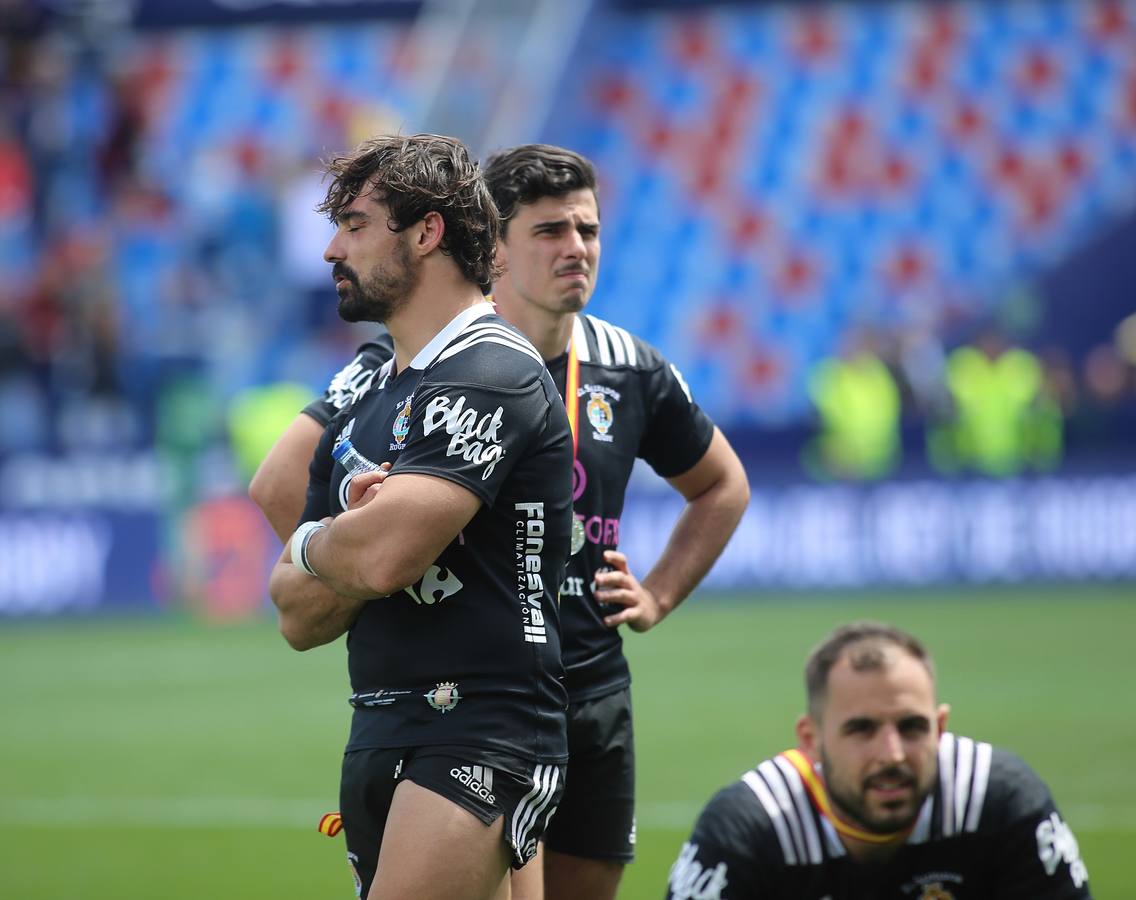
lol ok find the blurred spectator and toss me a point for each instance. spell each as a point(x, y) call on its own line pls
point(859, 406)
point(1004, 420)
point(258, 416)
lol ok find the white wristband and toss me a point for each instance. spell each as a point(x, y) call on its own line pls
point(300, 545)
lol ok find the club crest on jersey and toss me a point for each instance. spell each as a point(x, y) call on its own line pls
point(444, 696)
point(401, 426)
point(934, 886)
point(601, 415)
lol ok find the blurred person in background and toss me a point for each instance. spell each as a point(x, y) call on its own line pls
point(444, 573)
point(624, 401)
point(859, 405)
point(879, 800)
point(1004, 417)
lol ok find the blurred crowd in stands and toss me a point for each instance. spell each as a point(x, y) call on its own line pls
point(152, 273)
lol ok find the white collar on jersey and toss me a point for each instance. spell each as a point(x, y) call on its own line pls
point(455, 327)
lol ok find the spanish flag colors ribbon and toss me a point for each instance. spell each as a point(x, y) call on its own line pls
point(331, 824)
point(819, 796)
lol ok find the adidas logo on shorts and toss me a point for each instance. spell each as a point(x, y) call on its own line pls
point(478, 779)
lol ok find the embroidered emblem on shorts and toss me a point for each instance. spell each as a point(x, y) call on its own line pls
point(444, 697)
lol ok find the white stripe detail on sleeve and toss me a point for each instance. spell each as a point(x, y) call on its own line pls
point(491, 334)
point(755, 784)
point(964, 753)
point(384, 373)
point(772, 776)
point(601, 341)
point(619, 355)
point(628, 345)
point(947, 783)
point(804, 808)
point(982, 756)
point(922, 830)
point(580, 339)
point(835, 848)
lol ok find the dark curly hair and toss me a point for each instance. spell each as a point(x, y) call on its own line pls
point(417, 174)
point(526, 173)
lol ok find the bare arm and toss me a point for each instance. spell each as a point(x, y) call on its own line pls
point(280, 484)
point(381, 547)
point(310, 613)
point(717, 492)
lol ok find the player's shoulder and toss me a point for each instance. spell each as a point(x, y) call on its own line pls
point(374, 353)
point(766, 814)
point(601, 343)
point(985, 788)
point(489, 352)
point(1015, 791)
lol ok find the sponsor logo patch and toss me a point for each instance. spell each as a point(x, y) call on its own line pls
point(1055, 845)
point(479, 779)
point(473, 436)
point(691, 880)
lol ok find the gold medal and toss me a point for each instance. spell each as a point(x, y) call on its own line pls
point(577, 535)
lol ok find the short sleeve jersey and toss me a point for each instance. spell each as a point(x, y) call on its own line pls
point(469, 655)
point(353, 380)
point(989, 830)
point(631, 403)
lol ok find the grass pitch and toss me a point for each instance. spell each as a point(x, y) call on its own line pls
point(161, 757)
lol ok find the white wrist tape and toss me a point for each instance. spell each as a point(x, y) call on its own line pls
point(300, 542)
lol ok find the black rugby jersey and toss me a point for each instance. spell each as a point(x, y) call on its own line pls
point(632, 403)
point(470, 655)
point(989, 830)
point(353, 380)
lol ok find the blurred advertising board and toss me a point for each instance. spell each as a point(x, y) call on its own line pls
point(98, 533)
point(78, 534)
point(912, 533)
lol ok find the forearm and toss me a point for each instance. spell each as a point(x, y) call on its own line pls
point(348, 558)
point(280, 484)
point(701, 533)
point(388, 543)
point(310, 612)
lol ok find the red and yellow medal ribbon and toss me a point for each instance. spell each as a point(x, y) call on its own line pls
point(819, 796)
point(571, 402)
point(331, 824)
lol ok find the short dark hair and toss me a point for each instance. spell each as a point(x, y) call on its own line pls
point(417, 174)
point(865, 642)
point(529, 172)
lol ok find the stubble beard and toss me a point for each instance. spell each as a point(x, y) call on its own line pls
point(853, 807)
point(383, 292)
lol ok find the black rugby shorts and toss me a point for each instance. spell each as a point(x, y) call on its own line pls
point(480, 781)
point(596, 815)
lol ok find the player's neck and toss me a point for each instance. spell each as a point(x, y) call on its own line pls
point(871, 854)
point(548, 331)
point(432, 306)
point(862, 845)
